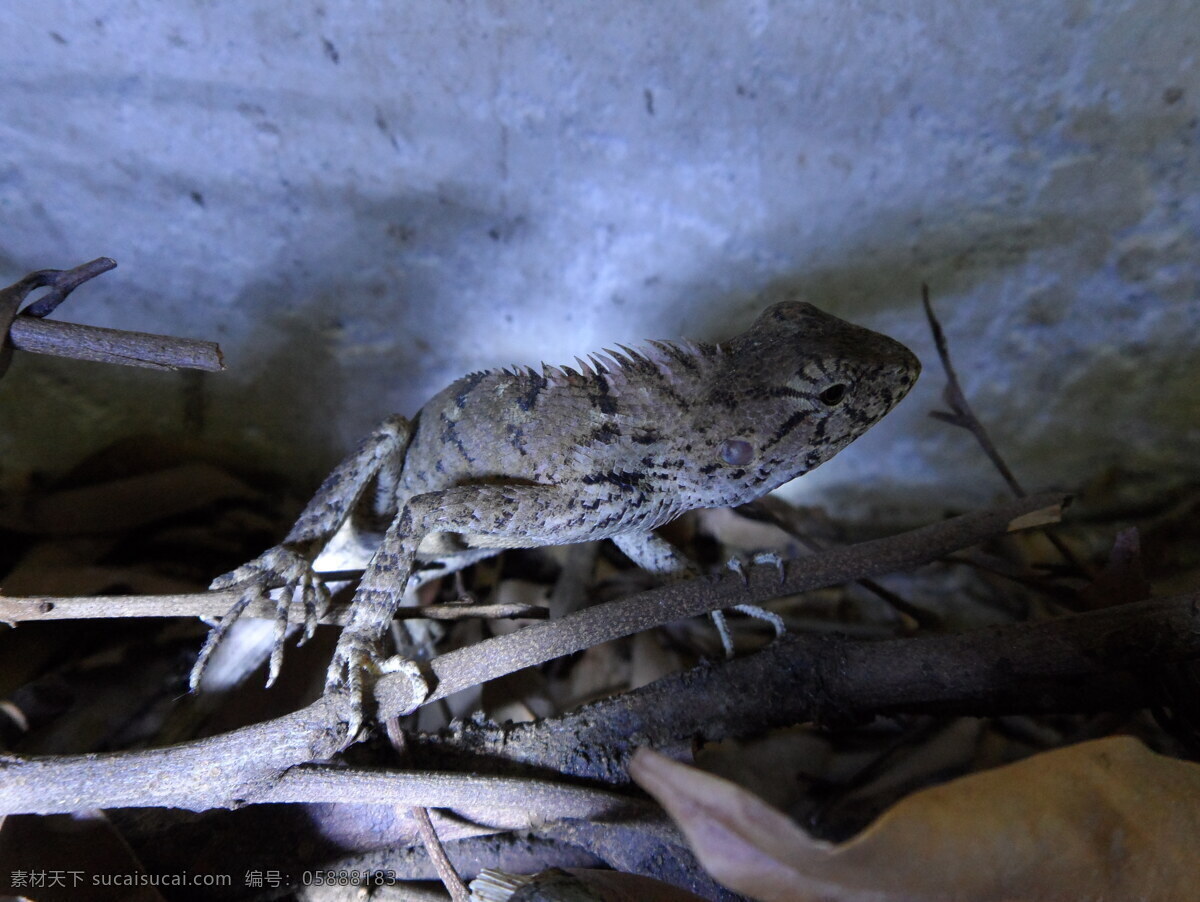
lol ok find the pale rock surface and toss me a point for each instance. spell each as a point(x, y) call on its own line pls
point(363, 201)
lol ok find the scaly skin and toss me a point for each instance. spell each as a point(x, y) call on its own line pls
point(517, 458)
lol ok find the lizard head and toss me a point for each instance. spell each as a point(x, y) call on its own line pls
point(794, 389)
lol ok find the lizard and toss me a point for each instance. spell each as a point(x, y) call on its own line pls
point(518, 457)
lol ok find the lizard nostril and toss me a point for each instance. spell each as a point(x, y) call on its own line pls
point(736, 452)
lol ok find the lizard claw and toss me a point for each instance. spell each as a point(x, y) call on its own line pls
point(760, 558)
point(215, 635)
point(770, 617)
point(355, 659)
point(718, 619)
point(752, 610)
point(275, 568)
point(768, 558)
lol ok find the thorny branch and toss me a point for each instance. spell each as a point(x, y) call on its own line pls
point(256, 764)
point(28, 330)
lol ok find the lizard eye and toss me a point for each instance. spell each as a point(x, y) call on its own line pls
point(736, 453)
point(833, 395)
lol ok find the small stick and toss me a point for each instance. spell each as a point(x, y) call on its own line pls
point(498, 656)
point(62, 282)
point(29, 331)
point(437, 855)
point(125, 348)
point(214, 604)
point(1062, 665)
point(960, 413)
point(782, 515)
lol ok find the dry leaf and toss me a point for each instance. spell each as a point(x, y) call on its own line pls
point(1107, 819)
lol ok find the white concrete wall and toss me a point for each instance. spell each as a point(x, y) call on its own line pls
point(361, 201)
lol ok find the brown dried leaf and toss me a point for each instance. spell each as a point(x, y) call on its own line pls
point(1104, 819)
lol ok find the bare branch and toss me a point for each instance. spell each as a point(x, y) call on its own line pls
point(437, 854)
point(774, 510)
point(542, 642)
point(258, 764)
point(1080, 663)
point(62, 282)
point(963, 416)
point(246, 765)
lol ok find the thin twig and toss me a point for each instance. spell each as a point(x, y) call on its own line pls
point(62, 282)
point(437, 855)
point(961, 415)
point(249, 764)
point(122, 347)
point(214, 604)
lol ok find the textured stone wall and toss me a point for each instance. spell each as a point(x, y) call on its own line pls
point(361, 201)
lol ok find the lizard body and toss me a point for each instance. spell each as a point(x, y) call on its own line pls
point(623, 444)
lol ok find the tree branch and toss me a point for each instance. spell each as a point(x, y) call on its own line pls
point(1080, 663)
point(1083, 662)
point(541, 642)
point(962, 416)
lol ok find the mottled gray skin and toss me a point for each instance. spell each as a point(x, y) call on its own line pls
point(613, 449)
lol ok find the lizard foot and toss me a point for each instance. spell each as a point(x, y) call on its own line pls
point(737, 566)
point(357, 663)
point(752, 610)
point(761, 558)
point(274, 568)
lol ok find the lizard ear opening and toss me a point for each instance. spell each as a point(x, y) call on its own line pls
point(736, 452)
point(833, 395)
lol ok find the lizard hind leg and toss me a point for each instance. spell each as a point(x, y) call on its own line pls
point(515, 514)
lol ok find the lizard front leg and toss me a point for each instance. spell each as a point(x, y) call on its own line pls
point(653, 553)
point(512, 515)
point(378, 458)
